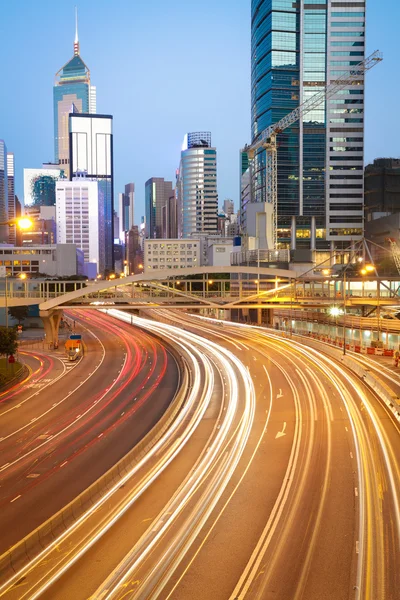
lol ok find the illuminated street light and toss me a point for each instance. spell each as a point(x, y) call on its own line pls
point(363, 271)
point(326, 272)
point(112, 276)
point(335, 311)
point(23, 276)
point(23, 223)
point(369, 268)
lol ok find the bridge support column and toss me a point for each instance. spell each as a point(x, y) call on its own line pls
point(51, 321)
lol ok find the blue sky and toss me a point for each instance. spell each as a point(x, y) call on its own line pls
point(161, 69)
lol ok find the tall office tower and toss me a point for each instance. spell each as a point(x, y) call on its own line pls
point(77, 215)
point(128, 207)
point(91, 154)
point(72, 93)
point(12, 232)
point(297, 49)
point(3, 192)
point(157, 193)
point(197, 185)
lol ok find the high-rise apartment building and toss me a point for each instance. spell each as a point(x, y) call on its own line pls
point(157, 194)
point(91, 155)
point(3, 192)
point(72, 93)
point(77, 216)
point(197, 185)
point(297, 49)
point(12, 232)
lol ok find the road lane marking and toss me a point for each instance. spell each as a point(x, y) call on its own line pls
point(16, 498)
point(281, 433)
point(351, 455)
point(356, 491)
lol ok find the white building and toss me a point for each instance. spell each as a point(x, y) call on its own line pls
point(171, 254)
point(197, 185)
point(61, 260)
point(77, 216)
point(219, 252)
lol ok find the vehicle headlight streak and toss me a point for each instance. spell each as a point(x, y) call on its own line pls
point(204, 389)
point(115, 584)
point(370, 567)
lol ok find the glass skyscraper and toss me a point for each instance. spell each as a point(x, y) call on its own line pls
point(72, 93)
point(296, 49)
point(157, 193)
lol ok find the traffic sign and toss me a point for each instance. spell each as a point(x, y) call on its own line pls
point(11, 358)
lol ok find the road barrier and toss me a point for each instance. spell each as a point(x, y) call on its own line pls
point(30, 547)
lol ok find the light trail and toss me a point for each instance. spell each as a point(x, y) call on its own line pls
point(163, 452)
point(204, 506)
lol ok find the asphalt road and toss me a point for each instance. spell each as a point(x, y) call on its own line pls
point(310, 510)
point(65, 429)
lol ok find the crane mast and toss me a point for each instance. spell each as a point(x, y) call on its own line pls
point(268, 141)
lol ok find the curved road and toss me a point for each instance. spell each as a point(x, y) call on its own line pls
point(66, 429)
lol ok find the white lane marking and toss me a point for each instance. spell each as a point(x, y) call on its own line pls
point(346, 429)
point(281, 433)
point(4, 466)
point(64, 463)
point(16, 498)
point(356, 491)
point(280, 395)
point(357, 547)
point(351, 455)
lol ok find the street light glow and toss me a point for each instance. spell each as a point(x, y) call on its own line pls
point(335, 311)
point(369, 268)
point(24, 223)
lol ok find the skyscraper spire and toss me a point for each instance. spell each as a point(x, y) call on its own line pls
point(76, 41)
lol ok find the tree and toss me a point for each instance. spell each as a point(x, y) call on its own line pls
point(8, 341)
point(19, 313)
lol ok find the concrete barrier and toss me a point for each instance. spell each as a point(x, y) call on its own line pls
point(29, 547)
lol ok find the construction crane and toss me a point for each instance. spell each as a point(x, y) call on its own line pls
point(395, 253)
point(267, 139)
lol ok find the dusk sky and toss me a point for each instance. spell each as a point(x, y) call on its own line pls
point(161, 69)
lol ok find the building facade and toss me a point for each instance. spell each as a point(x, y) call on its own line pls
point(171, 254)
point(197, 185)
point(43, 230)
point(11, 208)
point(91, 155)
point(3, 192)
point(40, 186)
point(57, 260)
point(77, 207)
point(72, 93)
point(157, 193)
point(382, 187)
point(297, 49)
point(128, 208)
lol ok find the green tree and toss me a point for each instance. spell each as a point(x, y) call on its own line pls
point(8, 341)
point(19, 313)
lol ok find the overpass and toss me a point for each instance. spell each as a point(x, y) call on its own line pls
point(219, 288)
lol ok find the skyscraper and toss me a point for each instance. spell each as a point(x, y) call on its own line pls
point(197, 185)
point(3, 192)
point(157, 194)
point(72, 93)
point(297, 49)
point(128, 207)
point(91, 155)
point(11, 197)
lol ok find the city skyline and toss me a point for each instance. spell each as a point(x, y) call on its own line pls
point(152, 109)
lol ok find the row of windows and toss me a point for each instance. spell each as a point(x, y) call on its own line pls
point(172, 246)
point(351, 206)
point(168, 260)
point(348, 33)
point(347, 42)
point(348, 14)
point(346, 231)
point(347, 24)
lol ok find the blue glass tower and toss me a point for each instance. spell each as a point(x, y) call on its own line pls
point(72, 93)
point(296, 49)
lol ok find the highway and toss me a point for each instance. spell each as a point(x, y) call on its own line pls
point(67, 426)
point(287, 486)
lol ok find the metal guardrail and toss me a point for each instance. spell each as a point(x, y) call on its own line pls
point(36, 541)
